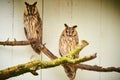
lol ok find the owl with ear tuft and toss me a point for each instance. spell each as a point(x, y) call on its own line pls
point(33, 25)
point(68, 40)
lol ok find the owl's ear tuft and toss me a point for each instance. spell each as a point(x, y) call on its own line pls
point(75, 26)
point(34, 3)
point(26, 4)
point(66, 25)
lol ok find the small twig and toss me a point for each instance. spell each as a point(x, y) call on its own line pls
point(14, 43)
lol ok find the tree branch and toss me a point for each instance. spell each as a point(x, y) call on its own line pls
point(15, 43)
point(23, 43)
point(37, 64)
point(98, 68)
point(42, 47)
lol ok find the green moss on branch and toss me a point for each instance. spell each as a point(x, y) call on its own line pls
point(38, 64)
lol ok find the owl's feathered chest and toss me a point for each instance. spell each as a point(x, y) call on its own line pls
point(31, 21)
point(32, 25)
point(67, 43)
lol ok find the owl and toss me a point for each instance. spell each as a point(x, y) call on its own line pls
point(68, 40)
point(33, 25)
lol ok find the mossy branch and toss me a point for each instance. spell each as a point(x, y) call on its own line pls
point(55, 61)
point(38, 64)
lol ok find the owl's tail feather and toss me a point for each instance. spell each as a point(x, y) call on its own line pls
point(35, 48)
point(70, 70)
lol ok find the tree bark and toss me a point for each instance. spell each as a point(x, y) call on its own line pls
point(98, 68)
point(55, 61)
point(37, 64)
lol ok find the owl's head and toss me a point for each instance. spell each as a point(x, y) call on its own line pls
point(70, 31)
point(30, 9)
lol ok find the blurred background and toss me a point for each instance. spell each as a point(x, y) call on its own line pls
point(98, 22)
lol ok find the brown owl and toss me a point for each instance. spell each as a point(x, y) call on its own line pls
point(33, 25)
point(68, 40)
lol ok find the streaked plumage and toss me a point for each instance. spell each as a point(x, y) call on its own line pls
point(33, 25)
point(68, 40)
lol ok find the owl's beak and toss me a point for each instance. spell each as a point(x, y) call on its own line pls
point(69, 34)
point(30, 14)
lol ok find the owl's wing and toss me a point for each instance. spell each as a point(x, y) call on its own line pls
point(77, 42)
point(39, 31)
point(62, 45)
point(61, 51)
point(25, 32)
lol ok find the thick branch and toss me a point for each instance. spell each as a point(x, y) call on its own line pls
point(34, 65)
point(47, 52)
point(37, 64)
point(97, 68)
